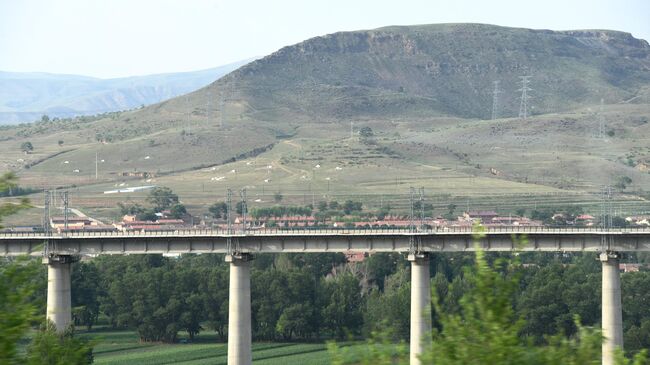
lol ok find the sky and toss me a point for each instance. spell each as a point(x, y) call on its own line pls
point(116, 38)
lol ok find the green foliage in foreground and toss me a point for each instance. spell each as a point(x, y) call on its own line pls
point(485, 329)
point(16, 310)
point(19, 281)
point(49, 347)
point(9, 181)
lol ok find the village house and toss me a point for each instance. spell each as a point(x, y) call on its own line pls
point(352, 256)
point(484, 216)
point(585, 220)
point(286, 221)
point(640, 220)
point(130, 223)
point(78, 224)
point(630, 267)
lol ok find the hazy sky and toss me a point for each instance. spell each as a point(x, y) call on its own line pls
point(133, 37)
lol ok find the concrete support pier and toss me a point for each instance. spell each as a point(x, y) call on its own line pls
point(239, 311)
point(59, 300)
point(420, 305)
point(612, 313)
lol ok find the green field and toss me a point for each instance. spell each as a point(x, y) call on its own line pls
point(123, 347)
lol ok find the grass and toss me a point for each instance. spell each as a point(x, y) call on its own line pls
point(548, 161)
point(123, 348)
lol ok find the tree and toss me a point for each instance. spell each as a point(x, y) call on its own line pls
point(366, 132)
point(294, 320)
point(636, 312)
point(277, 197)
point(350, 206)
point(239, 207)
point(60, 142)
point(144, 297)
point(146, 215)
point(384, 311)
point(215, 299)
point(366, 135)
point(162, 198)
point(322, 206)
point(85, 294)
point(26, 147)
point(130, 209)
point(50, 347)
point(622, 182)
point(45, 118)
point(16, 309)
point(177, 211)
point(341, 296)
point(450, 212)
point(218, 210)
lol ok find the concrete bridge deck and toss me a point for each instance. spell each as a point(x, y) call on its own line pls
point(326, 240)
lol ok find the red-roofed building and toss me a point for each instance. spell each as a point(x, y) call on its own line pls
point(485, 216)
point(352, 256)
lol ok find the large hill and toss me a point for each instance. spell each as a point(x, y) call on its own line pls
point(445, 69)
point(25, 97)
point(290, 121)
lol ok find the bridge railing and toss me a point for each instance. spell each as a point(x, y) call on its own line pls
point(325, 231)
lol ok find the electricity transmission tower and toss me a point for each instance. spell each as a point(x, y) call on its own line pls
point(523, 105)
point(229, 246)
point(495, 100)
point(244, 208)
point(46, 213)
point(601, 121)
point(606, 208)
point(66, 203)
point(415, 243)
point(606, 215)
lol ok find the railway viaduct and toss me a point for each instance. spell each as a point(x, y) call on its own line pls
point(60, 251)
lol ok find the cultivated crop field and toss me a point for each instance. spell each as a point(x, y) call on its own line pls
point(122, 348)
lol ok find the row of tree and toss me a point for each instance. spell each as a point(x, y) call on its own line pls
point(158, 200)
point(320, 296)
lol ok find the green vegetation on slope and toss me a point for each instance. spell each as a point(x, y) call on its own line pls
point(377, 111)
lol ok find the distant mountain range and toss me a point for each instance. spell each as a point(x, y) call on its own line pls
point(26, 96)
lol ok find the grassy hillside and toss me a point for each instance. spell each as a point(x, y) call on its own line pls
point(425, 91)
